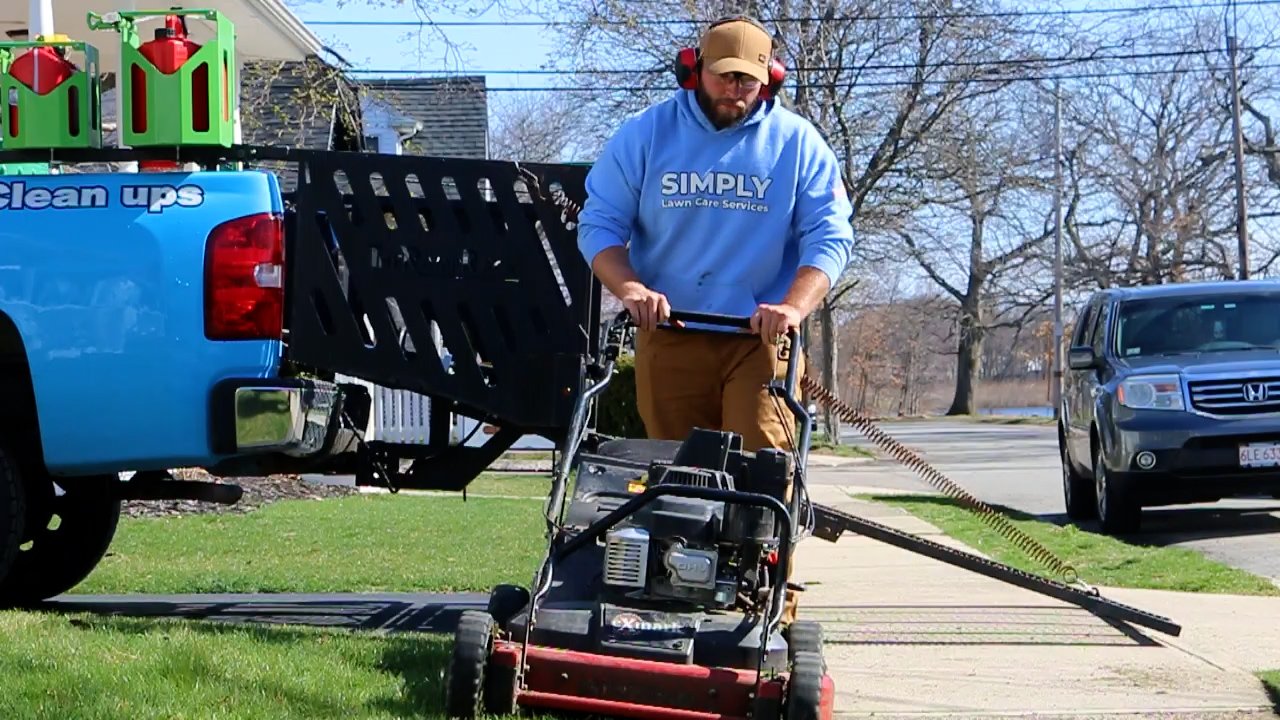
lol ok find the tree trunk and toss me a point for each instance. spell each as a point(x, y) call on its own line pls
point(968, 360)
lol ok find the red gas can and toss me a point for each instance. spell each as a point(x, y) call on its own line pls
point(168, 52)
point(42, 69)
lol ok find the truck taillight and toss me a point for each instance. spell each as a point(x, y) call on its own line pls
point(244, 279)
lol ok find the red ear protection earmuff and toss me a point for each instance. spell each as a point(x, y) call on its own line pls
point(687, 65)
point(686, 68)
point(777, 75)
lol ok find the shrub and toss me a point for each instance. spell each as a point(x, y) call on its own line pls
point(616, 411)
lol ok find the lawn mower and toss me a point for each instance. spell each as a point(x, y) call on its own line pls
point(662, 590)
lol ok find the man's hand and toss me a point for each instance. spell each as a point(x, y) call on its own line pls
point(647, 308)
point(773, 321)
point(807, 291)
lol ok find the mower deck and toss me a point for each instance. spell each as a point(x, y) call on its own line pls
point(628, 687)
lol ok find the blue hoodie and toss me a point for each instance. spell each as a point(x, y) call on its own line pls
point(718, 221)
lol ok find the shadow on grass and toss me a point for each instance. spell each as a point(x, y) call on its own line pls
point(1271, 683)
point(429, 615)
point(420, 664)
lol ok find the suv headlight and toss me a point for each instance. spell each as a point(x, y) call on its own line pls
point(1151, 392)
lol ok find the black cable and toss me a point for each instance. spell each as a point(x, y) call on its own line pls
point(870, 83)
point(775, 21)
point(1064, 59)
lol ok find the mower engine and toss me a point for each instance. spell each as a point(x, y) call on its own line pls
point(693, 551)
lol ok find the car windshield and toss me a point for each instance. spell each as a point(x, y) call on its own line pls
point(1217, 323)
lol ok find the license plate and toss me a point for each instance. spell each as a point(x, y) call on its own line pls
point(1260, 455)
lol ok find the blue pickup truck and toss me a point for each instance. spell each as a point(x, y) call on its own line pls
point(160, 320)
point(141, 326)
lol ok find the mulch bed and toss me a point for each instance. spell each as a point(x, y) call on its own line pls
point(258, 491)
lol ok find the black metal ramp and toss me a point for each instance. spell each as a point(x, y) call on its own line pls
point(830, 524)
point(457, 279)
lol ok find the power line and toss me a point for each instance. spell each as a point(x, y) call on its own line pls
point(790, 20)
point(881, 83)
point(1064, 59)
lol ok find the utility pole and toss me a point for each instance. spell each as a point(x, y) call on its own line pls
point(1057, 249)
point(1237, 142)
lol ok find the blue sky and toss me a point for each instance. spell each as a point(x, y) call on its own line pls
point(405, 48)
point(420, 49)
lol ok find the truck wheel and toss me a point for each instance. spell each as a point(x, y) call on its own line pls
point(12, 511)
point(1077, 490)
point(1118, 509)
point(69, 524)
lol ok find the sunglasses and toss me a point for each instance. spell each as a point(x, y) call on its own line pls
point(745, 82)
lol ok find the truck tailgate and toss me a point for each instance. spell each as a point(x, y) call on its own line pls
point(103, 275)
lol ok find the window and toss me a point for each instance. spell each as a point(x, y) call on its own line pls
point(1194, 324)
point(1083, 323)
point(1099, 339)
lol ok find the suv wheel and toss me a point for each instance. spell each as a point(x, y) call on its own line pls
point(1118, 510)
point(1077, 491)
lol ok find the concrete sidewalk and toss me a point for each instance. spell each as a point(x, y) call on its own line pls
point(908, 636)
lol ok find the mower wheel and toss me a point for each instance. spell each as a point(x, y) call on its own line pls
point(803, 636)
point(465, 677)
point(505, 601)
point(804, 689)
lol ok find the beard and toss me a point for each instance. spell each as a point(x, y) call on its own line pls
point(723, 112)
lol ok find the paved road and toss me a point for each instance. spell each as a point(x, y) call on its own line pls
point(1017, 466)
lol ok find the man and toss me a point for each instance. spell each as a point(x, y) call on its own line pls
point(717, 200)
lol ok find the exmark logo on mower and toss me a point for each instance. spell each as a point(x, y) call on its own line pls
point(632, 624)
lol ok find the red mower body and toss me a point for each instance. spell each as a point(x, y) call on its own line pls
point(573, 681)
point(625, 687)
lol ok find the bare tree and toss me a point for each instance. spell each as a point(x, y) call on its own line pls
point(970, 234)
point(876, 78)
point(429, 35)
point(534, 127)
point(1150, 168)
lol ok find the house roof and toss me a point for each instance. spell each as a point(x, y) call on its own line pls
point(454, 112)
point(299, 104)
point(309, 105)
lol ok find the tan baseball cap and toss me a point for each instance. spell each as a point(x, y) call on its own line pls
point(737, 46)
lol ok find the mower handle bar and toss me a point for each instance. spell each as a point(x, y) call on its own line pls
point(787, 389)
point(744, 322)
point(736, 321)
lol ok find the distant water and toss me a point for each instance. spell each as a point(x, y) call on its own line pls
point(1029, 410)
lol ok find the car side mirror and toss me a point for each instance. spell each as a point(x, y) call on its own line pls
point(1082, 358)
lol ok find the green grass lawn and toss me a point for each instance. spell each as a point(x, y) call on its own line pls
point(362, 543)
point(1099, 559)
point(525, 485)
point(99, 668)
point(987, 419)
point(818, 444)
point(91, 667)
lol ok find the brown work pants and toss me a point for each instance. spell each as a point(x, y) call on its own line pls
point(713, 380)
point(717, 381)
